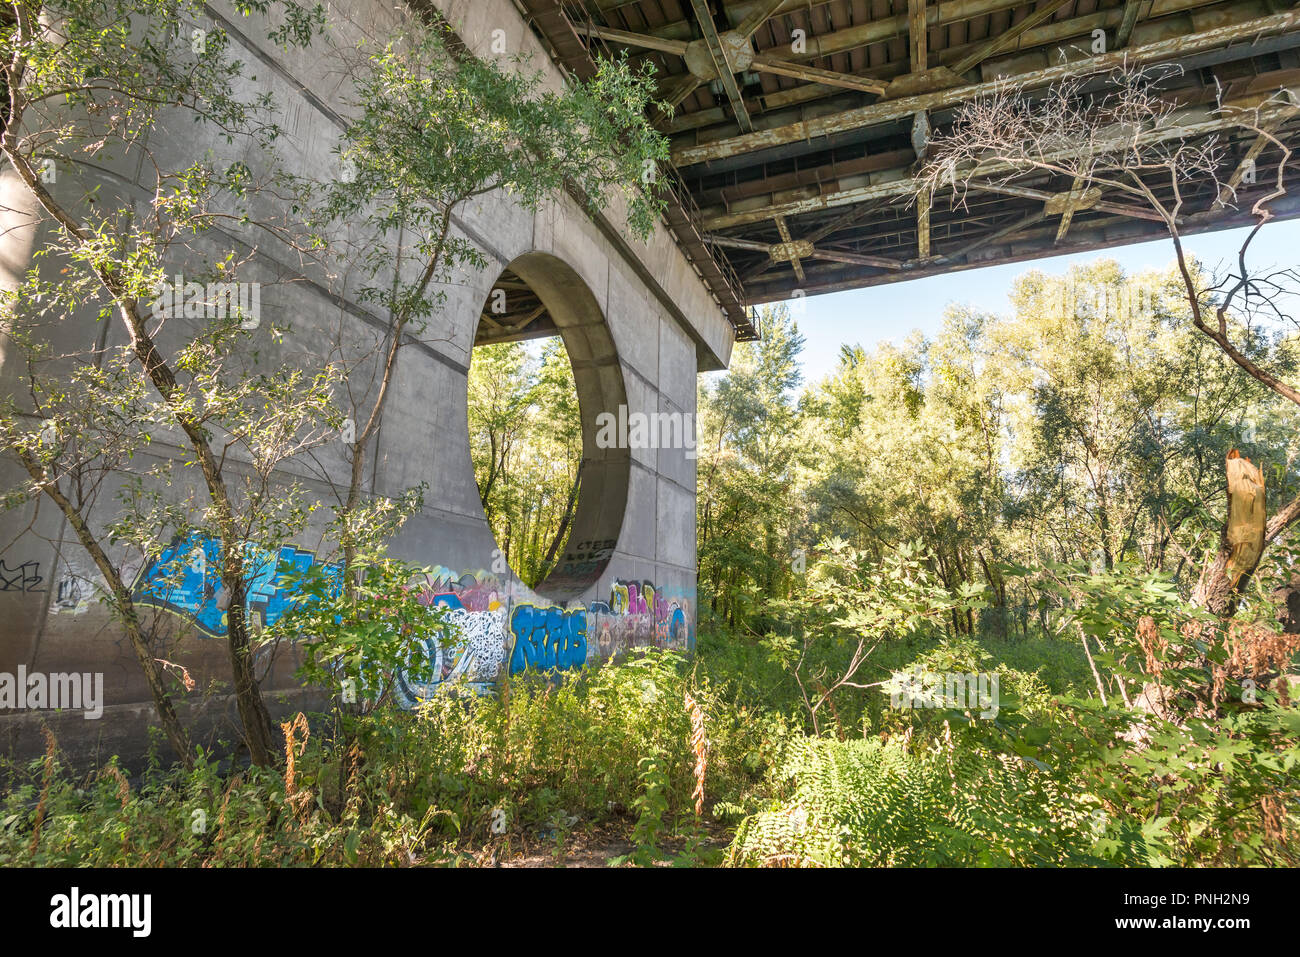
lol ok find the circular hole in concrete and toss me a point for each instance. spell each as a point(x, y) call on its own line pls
point(543, 368)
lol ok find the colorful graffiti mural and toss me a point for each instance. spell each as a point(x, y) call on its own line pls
point(184, 579)
point(639, 614)
point(492, 632)
point(482, 642)
point(548, 637)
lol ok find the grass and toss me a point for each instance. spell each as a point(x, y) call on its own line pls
point(606, 764)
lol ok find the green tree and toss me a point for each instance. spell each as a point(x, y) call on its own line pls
point(526, 444)
point(1122, 417)
point(749, 442)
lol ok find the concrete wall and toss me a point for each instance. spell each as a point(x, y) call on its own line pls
point(629, 575)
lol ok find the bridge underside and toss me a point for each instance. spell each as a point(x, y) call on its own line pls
point(800, 126)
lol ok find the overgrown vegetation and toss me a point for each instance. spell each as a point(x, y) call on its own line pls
point(614, 755)
point(1034, 497)
point(464, 778)
point(1132, 726)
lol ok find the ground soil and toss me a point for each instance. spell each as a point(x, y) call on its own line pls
point(587, 847)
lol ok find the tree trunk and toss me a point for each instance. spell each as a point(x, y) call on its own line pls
point(253, 715)
point(257, 722)
point(125, 607)
point(1241, 542)
point(552, 553)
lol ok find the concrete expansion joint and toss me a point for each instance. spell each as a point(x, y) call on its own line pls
point(601, 363)
point(636, 463)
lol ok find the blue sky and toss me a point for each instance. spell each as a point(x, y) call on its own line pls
point(880, 313)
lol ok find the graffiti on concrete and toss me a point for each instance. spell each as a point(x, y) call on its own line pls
point(671, 631)
point(184, 579)
point(548, 639)
point(581, 563)
point(24, 577)
point(472, 655)
point(489, 635)
point(491, 630)
point(639, 614)
point(480, 642)
point(73, 593)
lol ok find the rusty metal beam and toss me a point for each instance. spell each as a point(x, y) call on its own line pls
point(1072, 201)
point(1228, 192)
point(731, 242)
point(794, 162)
point(1008, 38)
point(823, 175)
point(856, 259)
point(906, 106)
point(887, 28)
point(1097, 239)
point(722, 63)
point(1053, 33)
point(764, 63)
point(937, 14)
point(923, 225)
point(917, 30)
point(682, 88)
point(921, 135)
point(672, 96)
point(844, 220)
point(1061, 200)
point(810, 251)
point(877, 30)
point(784, 229)
point(512, 327)
point(626, 37)
point(993, 237)
point(802, 71)
point(761, 13)
point(1133, 11)
point(892, 189)
point(1188, 123)
point(736, 13)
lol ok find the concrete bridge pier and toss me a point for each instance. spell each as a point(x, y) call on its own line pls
point(637, 321)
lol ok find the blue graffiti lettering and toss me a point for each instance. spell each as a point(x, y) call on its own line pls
point(185, 579)
point(548, 639)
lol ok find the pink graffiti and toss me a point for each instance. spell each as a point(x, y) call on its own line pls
point(473, 592)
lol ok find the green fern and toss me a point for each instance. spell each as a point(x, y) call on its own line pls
point(864, 803)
